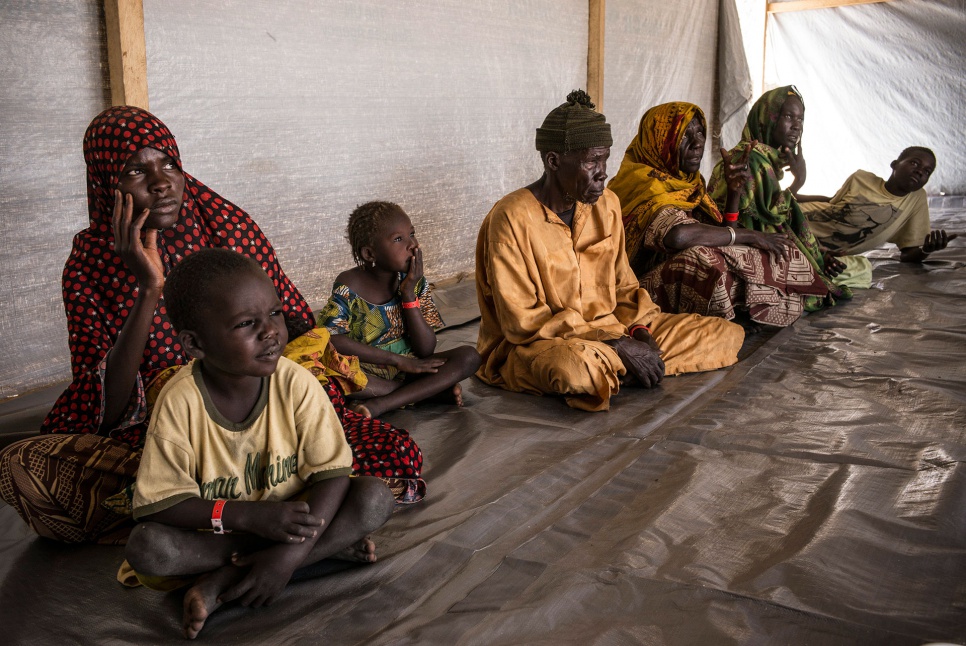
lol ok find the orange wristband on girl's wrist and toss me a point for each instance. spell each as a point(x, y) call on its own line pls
point(216, 525)
point(411, 305)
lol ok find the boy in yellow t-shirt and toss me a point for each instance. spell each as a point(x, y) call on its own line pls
point(869, 211)
point(243, 439)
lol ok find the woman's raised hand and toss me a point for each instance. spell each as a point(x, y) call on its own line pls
point(736, 171)
point(141, 256)
point(795, 161)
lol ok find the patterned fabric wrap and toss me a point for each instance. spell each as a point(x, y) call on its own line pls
point(649, 179)
point(713, 281)
point(763, 205)
point(313, 352)
point(380, 326)
point(99, 290)
point(58, 482)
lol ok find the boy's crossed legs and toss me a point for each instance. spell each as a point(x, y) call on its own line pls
point(229, 563)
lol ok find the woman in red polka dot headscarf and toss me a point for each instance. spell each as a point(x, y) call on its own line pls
point(146, 214)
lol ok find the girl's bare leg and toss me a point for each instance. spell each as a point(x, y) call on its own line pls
point(460, 363)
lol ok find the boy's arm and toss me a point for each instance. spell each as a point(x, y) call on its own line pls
point(813, 198)
point(935, 241)
point(290, 521)
point(272, 567)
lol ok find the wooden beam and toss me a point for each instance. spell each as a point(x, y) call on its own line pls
point(764, 50)
point(805, 5)
point(595, 53)
point(126, 54)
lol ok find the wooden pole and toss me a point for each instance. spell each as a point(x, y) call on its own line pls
point(805, 5)
point(595, 53)
point(764, 51)
point(126, 54)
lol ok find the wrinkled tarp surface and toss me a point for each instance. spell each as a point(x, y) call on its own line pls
point(813, 493)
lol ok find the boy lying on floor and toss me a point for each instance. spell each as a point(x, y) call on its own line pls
point(245, 441)
point(869, 211)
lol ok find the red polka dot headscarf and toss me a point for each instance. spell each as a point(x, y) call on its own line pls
point(99, 290)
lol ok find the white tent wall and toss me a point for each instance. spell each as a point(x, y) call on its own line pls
point(298, 111)
point(876, 78)
point(54, 77)
point(655, 53)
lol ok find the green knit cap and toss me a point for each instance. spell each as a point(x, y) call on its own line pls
point(574, 125)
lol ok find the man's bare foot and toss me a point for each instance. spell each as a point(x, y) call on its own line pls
point(452, 396)
point(362, 409)
point(201, 600)
point(363, 551)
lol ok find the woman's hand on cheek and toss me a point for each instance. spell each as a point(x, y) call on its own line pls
point(795, 160)
point(141, 256)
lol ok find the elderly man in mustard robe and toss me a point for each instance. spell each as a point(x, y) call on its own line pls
point(562, 310)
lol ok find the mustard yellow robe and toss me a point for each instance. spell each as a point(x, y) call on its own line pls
point(552, 296)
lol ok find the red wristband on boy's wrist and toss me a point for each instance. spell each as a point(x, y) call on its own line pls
point(731, 217)
point(411, 305)
point(216, 525)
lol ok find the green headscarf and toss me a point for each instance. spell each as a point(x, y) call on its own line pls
point(763, 205)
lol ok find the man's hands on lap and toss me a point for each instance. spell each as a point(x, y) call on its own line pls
point(641, 357)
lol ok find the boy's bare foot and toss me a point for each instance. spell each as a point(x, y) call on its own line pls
point(202, 598)
point(452, 396)
point(362, 409)
point(363, 551)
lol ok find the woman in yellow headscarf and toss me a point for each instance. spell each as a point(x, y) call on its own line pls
point(689, 257)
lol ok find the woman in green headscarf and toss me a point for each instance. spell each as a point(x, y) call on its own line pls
point(774, 133)
point(689, 258)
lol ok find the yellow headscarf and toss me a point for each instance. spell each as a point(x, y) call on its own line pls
point(649, 179)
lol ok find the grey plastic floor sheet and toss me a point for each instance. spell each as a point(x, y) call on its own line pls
point(812, 494)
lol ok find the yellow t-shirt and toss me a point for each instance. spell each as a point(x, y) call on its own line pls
point(863, 215)
point(291, 439)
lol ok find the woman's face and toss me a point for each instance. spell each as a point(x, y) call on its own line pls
point(692, 147)
point(791, 121)
point(155, 182)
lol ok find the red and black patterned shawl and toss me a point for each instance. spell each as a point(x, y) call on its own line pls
point(99, 290)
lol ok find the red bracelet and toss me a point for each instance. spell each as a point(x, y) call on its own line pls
point(410, 305)
point(634, 328)
point(216, 524)
point(731, 217)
